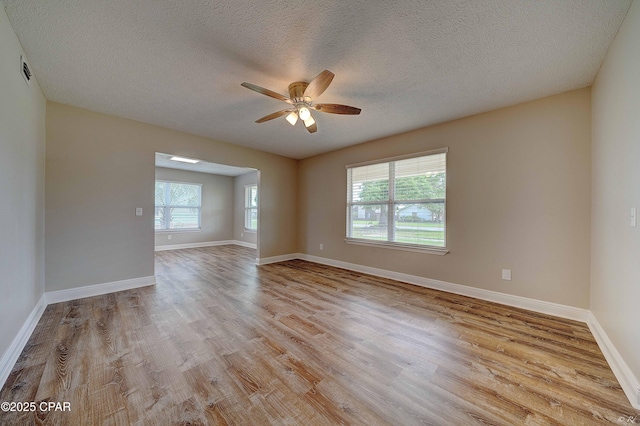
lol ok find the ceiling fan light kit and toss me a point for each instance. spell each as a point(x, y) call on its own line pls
point(301, 96)
point(303, 113)
point(309, 121)
point(292, 118)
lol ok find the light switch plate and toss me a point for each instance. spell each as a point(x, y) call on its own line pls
point(138, 211)
point(506, 274)
point(634, 220)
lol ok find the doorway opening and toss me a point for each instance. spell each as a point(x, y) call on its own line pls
point(199, 203)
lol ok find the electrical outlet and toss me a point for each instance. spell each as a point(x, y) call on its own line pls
point(242, 234)
point(169, 237)
point(138, 211)
point(321, 246)
point(506, 274)
point(634, 220)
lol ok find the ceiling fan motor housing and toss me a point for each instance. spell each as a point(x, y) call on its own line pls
point(296, 90)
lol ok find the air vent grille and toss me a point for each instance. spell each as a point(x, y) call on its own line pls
point(25, 70)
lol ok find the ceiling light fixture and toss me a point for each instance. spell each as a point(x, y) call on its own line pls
point(309, 121)
point(304, 113)
point(185, 160)
point(292, 118)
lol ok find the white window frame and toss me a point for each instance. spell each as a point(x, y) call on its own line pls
point(168, 229)
point(248, 208)
point(389, 243)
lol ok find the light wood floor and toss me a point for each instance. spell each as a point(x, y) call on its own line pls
point(222, 341)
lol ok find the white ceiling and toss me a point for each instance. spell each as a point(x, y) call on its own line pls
point(406, 63)
point(164, 160)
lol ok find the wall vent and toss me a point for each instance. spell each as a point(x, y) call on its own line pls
point(25, 70)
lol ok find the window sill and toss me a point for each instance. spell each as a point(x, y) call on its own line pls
point(177, 231)
point(440, 251)
point(251, 231)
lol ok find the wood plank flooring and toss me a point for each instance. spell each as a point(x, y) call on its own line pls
point(222, 341)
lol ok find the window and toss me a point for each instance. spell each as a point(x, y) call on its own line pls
point(177, 206)
point(399, 203)
point(251, 207)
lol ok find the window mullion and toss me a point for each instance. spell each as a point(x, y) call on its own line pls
point(166, 217)
point(167, 209)
point(391, 229)
point(349, 203)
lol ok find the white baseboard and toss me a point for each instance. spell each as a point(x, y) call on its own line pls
point(193, 245)
point(629, 382)
point(244, 244)
point(97, 289)
point(275, 259)
point(549, 308)
point(10, 356)
point(205, 244)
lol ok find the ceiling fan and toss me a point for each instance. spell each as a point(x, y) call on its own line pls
point(301, 100)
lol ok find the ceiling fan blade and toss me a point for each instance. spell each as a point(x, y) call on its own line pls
point(319, 84)
point(274, 115)
point(267, 92)
point(313, 128)
point(337, 109)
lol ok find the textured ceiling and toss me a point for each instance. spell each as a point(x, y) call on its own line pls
point(407, 64)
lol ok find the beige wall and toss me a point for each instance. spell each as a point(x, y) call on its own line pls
point(101, 167)
point(615, 260)
point(518, 198)
point(216, 215)
point(239, 233)
point(22, 147)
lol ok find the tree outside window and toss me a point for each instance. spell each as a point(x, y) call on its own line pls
point(177, 206)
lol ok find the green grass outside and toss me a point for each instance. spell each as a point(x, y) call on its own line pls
point(409, 236)
point(415, 224)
